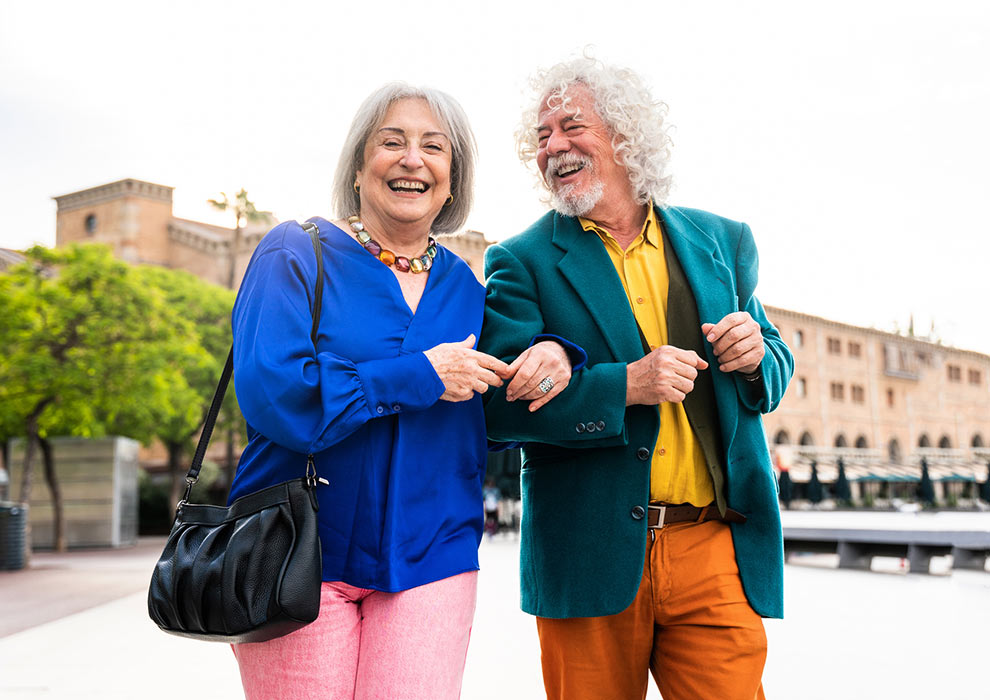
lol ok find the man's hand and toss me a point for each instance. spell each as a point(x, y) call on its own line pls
point(536, 363)
point(737, 341)
point(665, 375)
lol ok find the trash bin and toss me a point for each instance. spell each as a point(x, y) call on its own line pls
point(13, 525)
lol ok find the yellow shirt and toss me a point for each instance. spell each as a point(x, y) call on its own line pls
point(678, 473)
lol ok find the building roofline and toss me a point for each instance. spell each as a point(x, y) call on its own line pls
point(886, 335)
point(114, 190)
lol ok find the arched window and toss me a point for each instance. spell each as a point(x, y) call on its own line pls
point(944, 442)
point(977, 440)
point(861, 442)
point(840, 440)
point(782, 438)
point(894, 451)
point(806, 438)
point(923, 441)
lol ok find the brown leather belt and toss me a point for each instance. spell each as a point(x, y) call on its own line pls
point(660, 514)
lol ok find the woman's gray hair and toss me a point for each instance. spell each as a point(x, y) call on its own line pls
point(624, 103)
point(463, 151)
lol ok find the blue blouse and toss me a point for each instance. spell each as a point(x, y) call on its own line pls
point(403, 507)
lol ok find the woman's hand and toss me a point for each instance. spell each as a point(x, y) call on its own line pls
point(531, 370)
point(464, 371)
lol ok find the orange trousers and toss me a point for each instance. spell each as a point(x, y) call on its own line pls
point(690, 625)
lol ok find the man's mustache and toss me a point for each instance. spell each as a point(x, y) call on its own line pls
point(557, 163)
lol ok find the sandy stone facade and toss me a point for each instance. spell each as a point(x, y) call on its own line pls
point(882, 402)
point(135, 218)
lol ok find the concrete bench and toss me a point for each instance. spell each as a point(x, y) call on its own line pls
point(856, 548)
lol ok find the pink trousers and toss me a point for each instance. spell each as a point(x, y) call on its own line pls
point(367, 644)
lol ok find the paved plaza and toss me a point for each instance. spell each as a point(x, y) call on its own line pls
point(75, 626)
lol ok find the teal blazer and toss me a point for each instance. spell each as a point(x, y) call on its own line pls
point(585, 474)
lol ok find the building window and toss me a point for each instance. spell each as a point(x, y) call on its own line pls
point(975, 376)
point(91, 224)
point(802, 387)
point(890, 398)
point(834, 346)
point(954, 372)
point(855, 349)
point(838, 391)
point(798, 339)
point(858, 393)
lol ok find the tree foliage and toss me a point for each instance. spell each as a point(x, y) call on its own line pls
point(96, 347)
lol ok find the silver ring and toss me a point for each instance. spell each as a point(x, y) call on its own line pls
point(546, 385)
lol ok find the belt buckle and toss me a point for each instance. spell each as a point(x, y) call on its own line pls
point(660, 523)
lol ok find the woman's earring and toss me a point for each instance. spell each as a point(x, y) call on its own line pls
point(450, 200)
point(357, 188)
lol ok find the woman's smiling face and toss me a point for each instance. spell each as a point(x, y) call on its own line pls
point(405, 178)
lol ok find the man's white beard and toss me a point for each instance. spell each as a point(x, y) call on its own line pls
point(569, 204)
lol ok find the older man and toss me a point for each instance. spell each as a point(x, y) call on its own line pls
point(651, 533)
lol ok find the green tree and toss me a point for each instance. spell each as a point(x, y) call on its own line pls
point(207, 307)
point(90, 350)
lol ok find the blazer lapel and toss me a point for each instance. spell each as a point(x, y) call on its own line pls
point(707, 275)
point(590, 271)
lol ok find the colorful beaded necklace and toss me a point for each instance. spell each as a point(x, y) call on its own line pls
point(403, 264)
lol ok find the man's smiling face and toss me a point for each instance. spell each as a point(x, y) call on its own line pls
point(575, 154)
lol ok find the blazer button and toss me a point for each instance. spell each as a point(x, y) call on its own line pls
point(381, 410)
point(579, 427)
point(590, 427)
point(600, 425)
point(637, 512)
point(643, 454)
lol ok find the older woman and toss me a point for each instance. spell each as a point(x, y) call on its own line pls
point(388, 401)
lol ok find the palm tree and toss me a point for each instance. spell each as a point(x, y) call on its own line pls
point(244, 213)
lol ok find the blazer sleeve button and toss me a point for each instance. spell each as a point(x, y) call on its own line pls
point(637, 512)
point(600, 425)
point(590, 427)
point(643, 454)
point(579, 428)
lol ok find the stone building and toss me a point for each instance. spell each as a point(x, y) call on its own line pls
point(881, 402)
point(135, 218)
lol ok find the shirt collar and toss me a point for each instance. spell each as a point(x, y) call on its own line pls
point(651, 227)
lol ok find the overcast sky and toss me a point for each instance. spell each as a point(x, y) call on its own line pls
point(853, 137)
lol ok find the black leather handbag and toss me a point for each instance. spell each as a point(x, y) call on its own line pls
point(249, 572)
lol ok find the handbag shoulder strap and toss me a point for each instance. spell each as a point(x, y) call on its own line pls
point(211, 417)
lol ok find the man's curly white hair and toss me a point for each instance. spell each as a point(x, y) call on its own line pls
point(635, 119)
